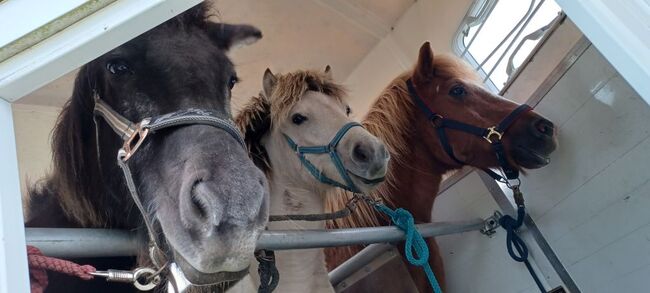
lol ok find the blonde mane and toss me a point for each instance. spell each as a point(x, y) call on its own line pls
point(260, 114)
point(389, 119)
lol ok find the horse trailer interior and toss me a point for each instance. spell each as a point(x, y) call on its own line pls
point(583, 65)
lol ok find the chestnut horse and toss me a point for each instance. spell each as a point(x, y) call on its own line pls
point(453, 90)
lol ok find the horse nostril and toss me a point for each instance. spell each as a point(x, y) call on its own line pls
point(360, 154)
point(198, 205)
point(544, 127)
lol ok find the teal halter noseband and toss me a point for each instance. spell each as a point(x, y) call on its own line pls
point(330, 149)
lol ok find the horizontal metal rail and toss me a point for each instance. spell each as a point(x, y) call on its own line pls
point(358, 261)
point(66, 242)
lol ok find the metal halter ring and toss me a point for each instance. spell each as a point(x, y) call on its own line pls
point(132, 144)
point(493, 131)
point(144, 273)
point(436, 120)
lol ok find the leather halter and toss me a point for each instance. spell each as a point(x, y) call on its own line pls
point(491, 134)
point(330, 149)
point(134, 134)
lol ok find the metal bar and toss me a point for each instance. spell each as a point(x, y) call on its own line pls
point(490, 7)
point(358, 261)
point(521, 30)
point(71, 243)
point(290, 239)
point(533, 53)
point(507, 206)
point(516, 27)
point(65, 242)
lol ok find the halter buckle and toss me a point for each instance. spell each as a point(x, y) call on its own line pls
point(136, 139)
point(493, 131)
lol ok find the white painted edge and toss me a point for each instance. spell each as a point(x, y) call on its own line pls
point(611, 35)
point(82, 42)
point(20, 25)
point(13, 258)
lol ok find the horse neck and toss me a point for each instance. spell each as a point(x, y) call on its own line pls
point(292, 192)
point(418, 182)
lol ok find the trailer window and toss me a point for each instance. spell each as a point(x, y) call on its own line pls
point(497, 36)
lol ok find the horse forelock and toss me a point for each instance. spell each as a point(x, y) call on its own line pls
point(260, 114)
point(291, 87)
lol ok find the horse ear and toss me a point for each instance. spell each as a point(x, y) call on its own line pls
point(268, 82)
point(328, 71)
point(424, 67)
point(229, 36)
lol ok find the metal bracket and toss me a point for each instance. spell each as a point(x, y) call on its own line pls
point(491, 224)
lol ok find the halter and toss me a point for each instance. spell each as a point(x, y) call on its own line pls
point(492, 135)
point(134, 134)
point(330, 149)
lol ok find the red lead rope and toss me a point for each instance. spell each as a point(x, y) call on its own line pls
point(40, 264)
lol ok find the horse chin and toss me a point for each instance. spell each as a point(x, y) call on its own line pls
point(530, 159)
point(366, 185)
point(233, 270)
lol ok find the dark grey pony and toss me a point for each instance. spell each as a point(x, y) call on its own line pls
point(205, 198)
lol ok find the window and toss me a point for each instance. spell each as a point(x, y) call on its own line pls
point(496, 37)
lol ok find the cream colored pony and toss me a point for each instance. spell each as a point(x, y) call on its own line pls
point(307, 107)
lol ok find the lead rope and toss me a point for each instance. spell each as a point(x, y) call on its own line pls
point(415, 248)
point(513, 241)
point(40, 264)
point(269, 275)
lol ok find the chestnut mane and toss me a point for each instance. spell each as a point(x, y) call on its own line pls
point(390, 118)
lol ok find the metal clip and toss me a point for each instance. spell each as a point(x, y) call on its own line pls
point(493, 131)
point(135, 277)
point(491, 224)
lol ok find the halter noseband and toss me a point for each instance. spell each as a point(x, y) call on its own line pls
point(134, 134)
point(492, 134)
point(330, 149)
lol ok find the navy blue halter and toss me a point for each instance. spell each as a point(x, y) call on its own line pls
point(491, 134)
point(330, 149)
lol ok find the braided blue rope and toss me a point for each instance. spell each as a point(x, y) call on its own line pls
point(416, 249)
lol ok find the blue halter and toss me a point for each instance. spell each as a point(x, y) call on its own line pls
point(330, 149)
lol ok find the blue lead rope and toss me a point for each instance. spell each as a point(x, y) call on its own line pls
point(416, 249)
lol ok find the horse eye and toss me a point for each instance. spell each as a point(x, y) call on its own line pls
point(233, 80)
point(118, 67)
point(348, 110)
point(298, 119)
point(457, 91)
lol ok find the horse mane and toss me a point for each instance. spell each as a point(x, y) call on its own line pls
point(259, 115)
point(390, 118)
point(75, 182)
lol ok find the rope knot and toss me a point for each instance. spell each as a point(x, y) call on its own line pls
point(513, 241)
point(416, 249)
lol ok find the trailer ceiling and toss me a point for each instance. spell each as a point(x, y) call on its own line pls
point(297, 34)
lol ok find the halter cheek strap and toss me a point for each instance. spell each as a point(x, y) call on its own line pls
point(134, 134)
point(330, 149)
point(492, 134)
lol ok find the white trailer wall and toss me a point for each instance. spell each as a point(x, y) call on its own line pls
point(592, 202)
